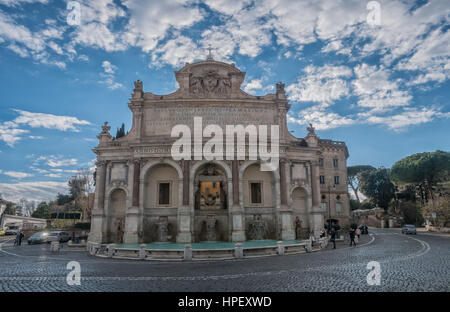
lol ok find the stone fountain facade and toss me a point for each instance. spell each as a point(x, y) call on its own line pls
point(157, 198)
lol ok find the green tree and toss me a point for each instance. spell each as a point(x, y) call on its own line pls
point(120, 131)
point(424, 169)
point(377, 185)
point(62, 199)
point(10, 208)
point(42, 211)
point(353, 174)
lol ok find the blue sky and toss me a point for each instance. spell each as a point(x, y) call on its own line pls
point(381, 85)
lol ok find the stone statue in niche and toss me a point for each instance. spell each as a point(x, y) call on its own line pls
point(298, 228)
point(257, 228)
point(120, 222)
point(163, 229)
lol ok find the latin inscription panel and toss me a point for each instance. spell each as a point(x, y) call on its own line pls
point(161, 120)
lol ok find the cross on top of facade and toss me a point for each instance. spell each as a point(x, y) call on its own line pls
point(209, 52)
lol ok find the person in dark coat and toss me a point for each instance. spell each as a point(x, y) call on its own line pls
point(19, 237)
point(352, 237)
point(333, 238)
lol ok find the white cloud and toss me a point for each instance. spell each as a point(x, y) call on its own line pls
point(108, 67)
point(49, 121)
point(337, 47)
point(19, 2)
point(53, 175)
point(253, 85)
point(11, 131)
point(9, 134)
point(321, 84)
point(376, 90)
point(95, 26)
point(321, 119)
point(38, 190)
point(410, 116)
point(16, 174)
point(177, 52)
point(108, 76)
point(55, 161)
point(62, 162)
point(228, 7)
point(150, 21)
point(22, 52)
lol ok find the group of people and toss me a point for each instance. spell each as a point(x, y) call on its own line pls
point(18, 240)
point(352, 234)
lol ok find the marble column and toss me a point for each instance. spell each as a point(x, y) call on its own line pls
point(237, 212)
point(287, 231)
point(132, 218)
point(98, 224)
point(316, 217)
point(184, 211)
point(283, 195)
point(186, 171)
point(136, 179)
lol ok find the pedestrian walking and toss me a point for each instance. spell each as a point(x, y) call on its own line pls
point(21, 235)
point(352, 237)
point(358, 233)
point(19, 238)
point(333, 238)
point(16, 241)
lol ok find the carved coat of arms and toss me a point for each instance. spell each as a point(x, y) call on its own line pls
point(209, 83)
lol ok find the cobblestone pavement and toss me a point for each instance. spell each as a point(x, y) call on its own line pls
point(408, 263)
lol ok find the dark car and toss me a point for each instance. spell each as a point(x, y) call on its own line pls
point(409, 229)
point(60, 236)
point(364, 229)
point(38, 238)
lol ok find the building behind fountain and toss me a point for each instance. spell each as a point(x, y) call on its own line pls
point(143, 195)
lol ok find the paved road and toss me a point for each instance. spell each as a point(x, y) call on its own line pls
point(408, 263)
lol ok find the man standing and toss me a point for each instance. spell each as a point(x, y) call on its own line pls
point(352, 237)
point(333, 237)
point(19, 237)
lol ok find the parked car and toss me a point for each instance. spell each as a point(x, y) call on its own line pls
point(364, 229)
point(60, 236)
point(2, 232)
point(12, 231)
point(409, 229)
point(38, 238)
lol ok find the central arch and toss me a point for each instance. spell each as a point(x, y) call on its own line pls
point(211, 194)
